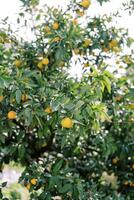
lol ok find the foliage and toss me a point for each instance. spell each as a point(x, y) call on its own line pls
point(75, 136)
point(15, 192)
point(129, 6)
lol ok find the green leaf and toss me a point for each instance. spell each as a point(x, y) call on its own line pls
point(57, 167)
point(2, 83)
point(18, 96)
point(107, 83)
point(53, 181)
point(75, 192)
point(1, 194)
point(39, 121)
point(18, 20)
point(59, 54)
point(69, 106)
point(4, 184)
point(63, 141)
point(79, 104)
point(28, 116)
point(38, 17)
point(102, 85)
point(66, 188)
point(21, 151)
point(108, 74)
point(130, 94)
point(2, 138)
point(80, 189)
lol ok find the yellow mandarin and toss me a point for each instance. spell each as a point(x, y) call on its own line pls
point(67, 122)
point(113, 43)
point(24, 97)
point(28, 186)
point(33, 181)
point(55, 25)
point(105, 50)
point(45, 61)
point(80, 13)
point(11, 115)
point(1, 98)
point(17, 63)
point(87, 42)
point(115, 160)
point(85, 3)
point(40, 65)
point(48, 110)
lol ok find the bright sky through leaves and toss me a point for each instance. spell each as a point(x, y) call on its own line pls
point(10, 8)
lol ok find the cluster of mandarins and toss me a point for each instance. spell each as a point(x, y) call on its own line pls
point(65, 122)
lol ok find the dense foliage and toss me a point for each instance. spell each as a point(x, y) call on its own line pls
point(74, 136)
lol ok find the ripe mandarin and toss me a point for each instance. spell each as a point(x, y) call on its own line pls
point(48, 110)
point(55, 25)
point(17, 63)
point(11, 115)
point(33, 181)
point(67, 122)
point(85, 3)
point(45, 61)
point(1, 98)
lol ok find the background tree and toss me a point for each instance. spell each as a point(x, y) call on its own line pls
point(75, 136)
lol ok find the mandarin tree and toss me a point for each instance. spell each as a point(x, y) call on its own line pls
point(73, 135)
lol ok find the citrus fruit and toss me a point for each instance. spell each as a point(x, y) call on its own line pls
point(105, 50)
point(28, 186)
point(87, 42)
point(24, 97)
point(76, 51)
point(40, 65)
point(17, 63)
point(1, 98)
point(80, 13)
point(115, 160)
point(48, 110)
point(11, 115)
point(45, 61)
point(67, 122)
point(55, 25)
point(33, 181)
point(113, 44)
point(85, 3)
